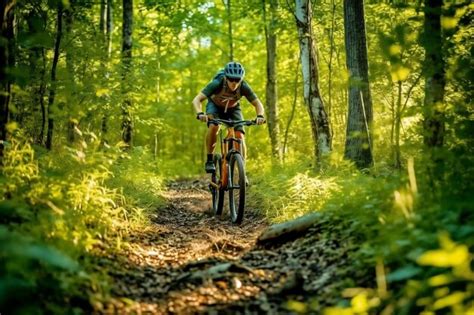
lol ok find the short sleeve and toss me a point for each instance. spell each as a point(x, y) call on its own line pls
point(248, 92)
point(212, 87)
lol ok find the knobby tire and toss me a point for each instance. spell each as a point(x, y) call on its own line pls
point(237, 195)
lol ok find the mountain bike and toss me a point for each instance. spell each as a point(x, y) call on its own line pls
point(230, 172)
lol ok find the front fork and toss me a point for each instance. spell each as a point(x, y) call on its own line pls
point(225, 180)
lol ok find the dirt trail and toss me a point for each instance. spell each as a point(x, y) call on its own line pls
point(189, 262)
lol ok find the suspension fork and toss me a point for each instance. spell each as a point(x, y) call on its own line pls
point(224, 164)
point(227, 150)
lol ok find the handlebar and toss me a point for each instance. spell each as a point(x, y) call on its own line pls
point(232, 123)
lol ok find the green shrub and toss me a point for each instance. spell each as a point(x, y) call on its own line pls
point(56, 210)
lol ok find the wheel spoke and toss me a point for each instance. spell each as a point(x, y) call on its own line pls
point(237, 191)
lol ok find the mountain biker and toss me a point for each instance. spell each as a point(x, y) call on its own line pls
point(223, 95)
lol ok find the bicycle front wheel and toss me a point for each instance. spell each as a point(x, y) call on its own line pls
point(237, 188)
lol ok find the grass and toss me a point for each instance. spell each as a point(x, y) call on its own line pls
point(415, 228)
point(410, 236)
point(56, 210)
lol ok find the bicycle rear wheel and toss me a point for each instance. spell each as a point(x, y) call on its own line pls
point(217, 193)
point(237, 188)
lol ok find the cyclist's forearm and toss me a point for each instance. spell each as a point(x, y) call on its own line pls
point(197, 102)
point(197, 106)
point(258, 107)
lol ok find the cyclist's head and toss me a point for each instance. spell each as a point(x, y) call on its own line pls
point(234, 71)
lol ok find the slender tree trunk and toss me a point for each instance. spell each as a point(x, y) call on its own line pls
point(108, 54)
point(7, 17)
point(434, 69)
point(127, 126)
point(393, 123)
point(358, 135)
point(70, 50)
point(158, 68)
point(292, 114)
point(228, 5)
point(52, 90)
point(109, 27)
point(331, 53)
point(34, 57)
point(398, 122)
point(271, 86)
point(103, 18)
point(309, 64)
point(42, 92)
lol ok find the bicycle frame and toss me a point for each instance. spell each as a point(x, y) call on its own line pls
point(231, 163)
point(229, 145)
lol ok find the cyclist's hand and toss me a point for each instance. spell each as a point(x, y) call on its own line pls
point(202, 117)
point(260, 120)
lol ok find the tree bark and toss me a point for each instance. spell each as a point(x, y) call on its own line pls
point(282, 232)
point(109, 27)
point(36, 20)
point(7, 17)
point(108, 52)
point(398, 122)
point(70, 50)
point(330, 63)
point(230, 35)
point(127, 126)
point(103, 18)
point(319, 120)
point(434, 69)
point(271, 86)
point(52, 90)
point(358, 134)
point(293, 109)
point(42, 92)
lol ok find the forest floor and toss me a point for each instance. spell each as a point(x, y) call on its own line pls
point(188, 261)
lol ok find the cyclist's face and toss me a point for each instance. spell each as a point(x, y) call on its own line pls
point(233, 83)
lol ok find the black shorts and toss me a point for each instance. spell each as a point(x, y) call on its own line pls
point(234, 113)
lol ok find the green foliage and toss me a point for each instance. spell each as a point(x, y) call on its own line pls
point(58, 212)
point(58, 208)
point(284, 193)
point(419, 242)
point(20, 257)
point(140, 179)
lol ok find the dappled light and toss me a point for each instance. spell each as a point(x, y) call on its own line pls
point(236, 157)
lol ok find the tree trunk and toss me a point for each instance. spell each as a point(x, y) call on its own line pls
point(282, 232)
point(42, 92)
point(127, 126)
point(271, 86)
point(108, 53)
point(358, 135)
point(398, 122)
point(434, 70)
point(393, 122)
point(330, 63)
point(70, 50)
point(52, 90)
point(7, 17)
point(37, 20)
point(228, 6)
point(103, 19)
point(293, 109)
point(309, 63)
point(109, 27)
point(158, 68)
